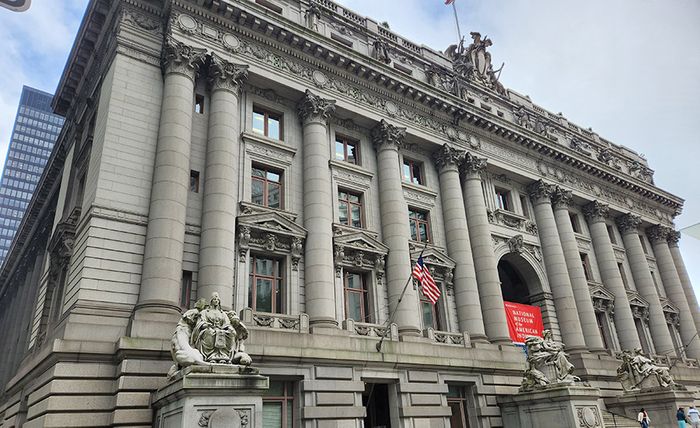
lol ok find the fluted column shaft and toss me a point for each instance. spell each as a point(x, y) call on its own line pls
point(485, 261)
point(395, 227)
point(458, 244)
point(561, 200)
point(628, 225)
point(674, 288)
point(319, 275)
point(673, 238)
point(162, 261)
point(216, 247)
point(555, 264)
point(596, 213)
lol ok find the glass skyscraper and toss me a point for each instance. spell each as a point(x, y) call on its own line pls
point(33, 136)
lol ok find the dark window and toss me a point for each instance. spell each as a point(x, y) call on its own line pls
point(265, 288)
point(267, 123)
point(278, 405)
point(350, 208)
point(269, 5)
point(574, 222)
point(503, 199)
point(644, 244)
point(585, 263)
point(621, 268)
point(376, 400)
point(429, 313)
point(641, 332)
point(611, 234)
point(347, 150)
point(356, 296)
point(602, 321)
point(413, 171)
point(457, 401)
point(420, 225)
point(199, 104)
point(194, 181)
point(186, 289)
point(266, 187)
point(523, 204)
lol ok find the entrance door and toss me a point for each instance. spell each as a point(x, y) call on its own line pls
point(376, 400)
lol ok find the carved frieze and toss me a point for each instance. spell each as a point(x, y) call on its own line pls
point(142, 21)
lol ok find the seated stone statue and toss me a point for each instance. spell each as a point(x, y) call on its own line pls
point(547, 364)
point(207, 335)
point(639, 372)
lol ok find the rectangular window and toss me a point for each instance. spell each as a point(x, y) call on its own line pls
point(523, 204)
point(267, 123)
point(602, 321)
point(356, 296)
point(413, 171)
point(350, 208)
point(194, 181)
point(621, 268)
point(644, 244)
point(199, 104)
point(265, 288)
point(586, 266)
point(278, 405)
point(186, 289)
point(457, 401)
point(347, 150)
point(503, 199)
point(420, 225)
point(266, 187)
point(429, 314)
point(574, 222)
point(611, 234)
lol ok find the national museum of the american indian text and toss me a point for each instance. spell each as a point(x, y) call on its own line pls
point(226, 230)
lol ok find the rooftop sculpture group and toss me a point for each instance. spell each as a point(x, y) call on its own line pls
point(208, 335)
point(638, 372)
point(474, 62)
point(547, 364)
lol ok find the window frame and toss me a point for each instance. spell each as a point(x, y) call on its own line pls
point(346, 141)
point(586, 264)
point(278, 284)
point(186, 289)
point(349, 204)
point(412, 220)
point(266, 184)
point(363, 292)
point(504, 199)
point(413, 164)
point(287, 397)
point(267, 113)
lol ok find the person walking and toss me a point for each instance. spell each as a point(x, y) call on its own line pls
point(694, 417)
point(643, 418)
point(680, 415)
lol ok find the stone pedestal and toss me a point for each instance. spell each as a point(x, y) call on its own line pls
point(558, 406)
point(661, 405)
point(211, 396)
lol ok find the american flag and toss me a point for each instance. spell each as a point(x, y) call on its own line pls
point(428, 287)
point(449, 1)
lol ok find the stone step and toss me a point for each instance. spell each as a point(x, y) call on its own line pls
point(611, 420)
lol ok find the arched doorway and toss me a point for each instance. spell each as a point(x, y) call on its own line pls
point(519, 281)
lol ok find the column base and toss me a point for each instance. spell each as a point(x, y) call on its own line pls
point(479, 338)
point(319, 324)
point(410, 332)
point(154, 320)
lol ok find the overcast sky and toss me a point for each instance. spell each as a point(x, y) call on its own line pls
point(628, 69)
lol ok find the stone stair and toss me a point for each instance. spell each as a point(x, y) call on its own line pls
point(618, 421)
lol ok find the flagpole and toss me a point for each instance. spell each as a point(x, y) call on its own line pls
point(403, 292)
point(459, 32)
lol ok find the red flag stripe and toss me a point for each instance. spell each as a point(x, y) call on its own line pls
point(428, 287)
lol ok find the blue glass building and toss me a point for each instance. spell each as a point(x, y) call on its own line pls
point(33, 136)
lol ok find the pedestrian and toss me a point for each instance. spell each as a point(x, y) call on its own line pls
point(694, 417)
point(643, 418)
point(680, 415)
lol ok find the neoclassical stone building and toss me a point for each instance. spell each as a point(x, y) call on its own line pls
point(296, 158)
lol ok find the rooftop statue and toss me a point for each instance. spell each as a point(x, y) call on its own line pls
point(208, 335)
point(474, 62)
point(548, 364)
point(639, 372)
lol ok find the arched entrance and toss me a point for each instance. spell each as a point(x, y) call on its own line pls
point(519, 281)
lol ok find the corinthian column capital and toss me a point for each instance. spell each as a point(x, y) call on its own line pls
point(673, 237)
point(181, 58)
point(540, 192)
point(313, 108)
point(387, 136)
point(628, 223)
point(226, 75)
point(448, 157)
point(472, 165)
point(658, 233)
point(596, 211)
point(562, 198)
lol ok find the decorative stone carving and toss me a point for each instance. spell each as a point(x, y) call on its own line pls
point(522, 117)
point(588, 417)
point(440, 265)
point(544, 127)
point(387, 135)
point(226, 75)
point(61, 247)
point(628, 223)
point(181, 58)
point(673, 237)
point(606, 156)
point(658, 233)
point(540, 191)
point(381, 51)
point(637, 170)
point(515, 244)
point(548, 364)
point(474, 62)
point(638, 373)
point(314, 108)
point(358, 249)
point(313, 16)
point(562, 198)
point(142, 21)
point(448, 156)
point(473, 165)
point(581, 146)
point(596, 211)
point(208, 335)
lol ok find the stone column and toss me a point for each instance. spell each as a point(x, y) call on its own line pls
point(482, 249)
point(674, 289)
point(567, 314)
point(596, 213)
point(458, 246)
point(216, 247)
point(562, 200)
point(628, 225)
point(395, 229)
point(673, 238)
point(319, 272)
point(159, 296)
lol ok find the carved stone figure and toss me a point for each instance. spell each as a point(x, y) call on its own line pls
point(638, 372)
point(207, 335)
point(474, 62)
point(313, 16)
point(515, 244)
point(548, 364)
point(522, 117)
point(581, 146)
point(381, 51)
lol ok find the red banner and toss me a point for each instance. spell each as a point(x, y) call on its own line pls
point(523, 321)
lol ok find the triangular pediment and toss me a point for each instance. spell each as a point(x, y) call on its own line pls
point(636, 300)
point(599, 292)
point(433, 256)
point(669, 307)
point(272, 222)
point(359, 240)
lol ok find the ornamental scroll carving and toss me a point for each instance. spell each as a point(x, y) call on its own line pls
point(226, 75)
point(596, 211)
point(385, 135)
point(181, 58)
point(539, 191)
point(628, 223)
point(312, 107)
point(472, 165)
point(562, 198)
point(673, 237)
point(448, 157)
point(658, 233)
